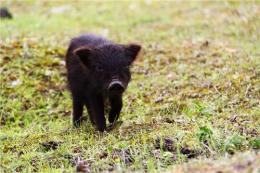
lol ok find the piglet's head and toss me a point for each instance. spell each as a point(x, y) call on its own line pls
point(109, 65)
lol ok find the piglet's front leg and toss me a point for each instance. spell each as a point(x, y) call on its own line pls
point(77, 111)
point(97, 112)
point(116, 106)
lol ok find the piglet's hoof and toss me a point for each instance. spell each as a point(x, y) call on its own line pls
point(114, 125)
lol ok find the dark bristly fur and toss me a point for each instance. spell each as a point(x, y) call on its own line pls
point(5, 13)
point(98, 69)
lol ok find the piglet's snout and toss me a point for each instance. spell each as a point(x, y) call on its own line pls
point(116, 86)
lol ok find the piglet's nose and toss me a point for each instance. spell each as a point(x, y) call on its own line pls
point(116, 86)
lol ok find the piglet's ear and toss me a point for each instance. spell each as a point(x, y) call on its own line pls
point(132, 51)
point(83, 53)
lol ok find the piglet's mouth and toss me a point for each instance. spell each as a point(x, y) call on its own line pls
point(116, 86)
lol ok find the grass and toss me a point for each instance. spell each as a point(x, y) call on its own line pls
point(194, 96)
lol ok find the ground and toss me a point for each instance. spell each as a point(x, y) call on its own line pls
point(192, 105)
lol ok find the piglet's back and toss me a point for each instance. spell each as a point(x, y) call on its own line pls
point(87, 40)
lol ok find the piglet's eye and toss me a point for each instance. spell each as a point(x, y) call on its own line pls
point(99, 68)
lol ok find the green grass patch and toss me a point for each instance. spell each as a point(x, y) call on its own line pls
point(194, 93)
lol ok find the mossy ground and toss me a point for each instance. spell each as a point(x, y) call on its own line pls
point(195, 92)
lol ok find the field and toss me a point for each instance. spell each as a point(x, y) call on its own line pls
point(193, 104)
